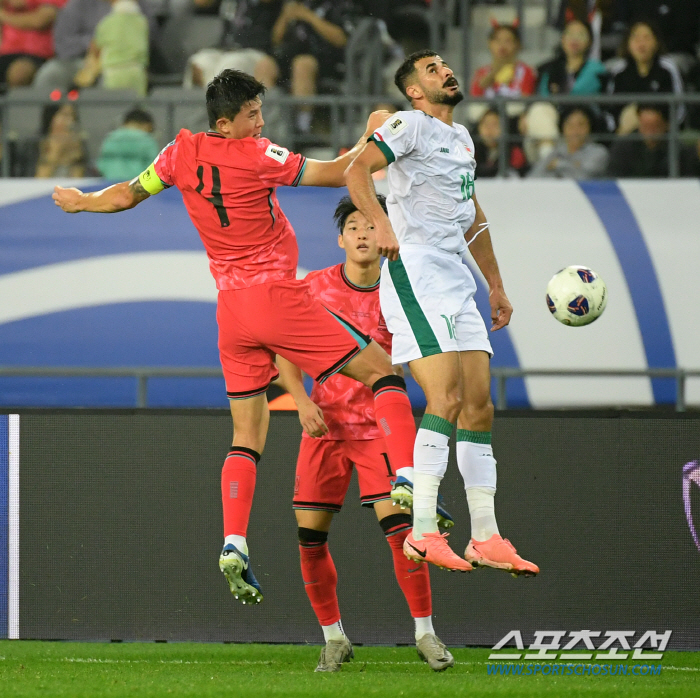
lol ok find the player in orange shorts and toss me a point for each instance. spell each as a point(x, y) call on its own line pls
point(228, 178)
point(340, 432)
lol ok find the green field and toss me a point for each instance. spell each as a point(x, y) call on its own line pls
point(186, 669)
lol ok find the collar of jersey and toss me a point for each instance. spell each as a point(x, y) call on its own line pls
point(355, 287)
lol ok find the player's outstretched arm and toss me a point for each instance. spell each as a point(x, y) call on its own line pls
point(118, 197)
point(364, 196)
point(310, 414)
point(482, 250)
point(320, 173)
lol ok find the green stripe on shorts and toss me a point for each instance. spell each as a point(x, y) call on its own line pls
point(422, 331)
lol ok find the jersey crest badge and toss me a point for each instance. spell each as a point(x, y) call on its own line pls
point(397, 125)
point(278, 153)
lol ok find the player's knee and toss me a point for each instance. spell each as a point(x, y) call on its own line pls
point(395, 523)
point(477, 416)
point(305, 63)
point(21, 72)
point(448, 405)
point(310, 537)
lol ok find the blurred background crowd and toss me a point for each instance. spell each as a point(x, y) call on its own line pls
point(556, 88)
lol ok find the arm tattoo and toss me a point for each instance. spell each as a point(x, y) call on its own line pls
point(137, 191)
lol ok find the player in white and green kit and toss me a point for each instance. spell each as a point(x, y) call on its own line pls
point(427, 299)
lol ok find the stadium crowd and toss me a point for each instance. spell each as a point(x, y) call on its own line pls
point(65, 49)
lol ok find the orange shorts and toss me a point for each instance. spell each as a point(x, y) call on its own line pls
point(324, 469)
point(282, 317)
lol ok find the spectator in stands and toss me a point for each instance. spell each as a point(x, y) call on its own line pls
point(246, 42)
point(643, 69)
point(309, 37)
point(678, 21)
point(573, 71)
point(606, 19)
point(486, 150)
point(505, 75)
point(574, 156)
point(119, 50)
point(130, 149)
point(73, 32)
point(62, 152)
point(646, 157)
point(26, 39)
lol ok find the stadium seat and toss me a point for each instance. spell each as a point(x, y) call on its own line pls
point(185, 34)
point(101, 111)
point(188, 111)
point(24, 106)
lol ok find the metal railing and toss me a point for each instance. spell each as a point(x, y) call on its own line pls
point(348, 113)
point(142, 374)
point(501, 374)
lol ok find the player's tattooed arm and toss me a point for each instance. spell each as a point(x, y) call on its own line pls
point(138, 193)
point(482, 251)
point(118, 197)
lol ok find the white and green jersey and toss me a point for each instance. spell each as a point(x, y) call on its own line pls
point(431, 179)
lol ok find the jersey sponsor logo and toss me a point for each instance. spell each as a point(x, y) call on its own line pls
point(397, 125)
point(278, 153)
point(468, 149)
point(444, 150)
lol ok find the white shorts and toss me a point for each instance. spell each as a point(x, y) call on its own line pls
point(427, 299)
point(211, 61)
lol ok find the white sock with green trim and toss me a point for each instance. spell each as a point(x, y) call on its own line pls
point(478, 468)
point(430, 455)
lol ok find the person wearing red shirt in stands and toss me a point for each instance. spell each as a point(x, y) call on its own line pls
point(228, 178)
point(26, 39)
point(506, 75)
point(340, 432)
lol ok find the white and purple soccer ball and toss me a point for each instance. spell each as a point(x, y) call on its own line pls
point(576, 296)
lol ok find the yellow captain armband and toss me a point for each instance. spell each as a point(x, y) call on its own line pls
point(150, 181)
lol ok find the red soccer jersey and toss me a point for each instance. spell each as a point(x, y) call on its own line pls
point(347, 405)
point(228, 186)
point(523, 82)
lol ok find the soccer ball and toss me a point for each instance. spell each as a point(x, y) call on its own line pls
point(576, 296)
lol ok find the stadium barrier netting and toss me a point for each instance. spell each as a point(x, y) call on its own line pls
point(120, 531)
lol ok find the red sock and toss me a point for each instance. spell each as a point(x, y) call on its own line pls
point(413, 578)
point(392, 411)
point(320, 581)
point(237, 488)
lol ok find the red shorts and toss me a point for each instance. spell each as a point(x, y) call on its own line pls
point(324, 469)
point(282, 317)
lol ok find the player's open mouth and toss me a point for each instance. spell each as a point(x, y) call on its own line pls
point(362, 247)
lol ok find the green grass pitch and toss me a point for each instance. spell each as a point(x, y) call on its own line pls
point(74, 670)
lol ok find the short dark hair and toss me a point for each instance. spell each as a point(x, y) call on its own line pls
point(228, 92)
point(346, 208)
point(662, 109)
point(581, 108)
point(407, 69)
point(138, 116)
